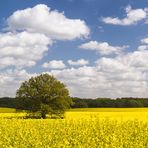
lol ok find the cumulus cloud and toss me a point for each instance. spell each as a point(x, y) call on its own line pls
point(54, 24)
point(26, 40)
point(78, 80)
point(120, 76)
point(144, 41)
point(143, 47)
point(54, 64)
point(10, 81)
point(22, 49)
point(33, 30)
point(137, 59)
point(102, 48)
point(133, 16)
point(80, 62)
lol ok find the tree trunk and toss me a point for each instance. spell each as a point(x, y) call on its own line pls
point(43, 115)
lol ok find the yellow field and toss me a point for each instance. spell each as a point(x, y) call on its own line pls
point(82, 128)
point(7, 110)
point(110, 113)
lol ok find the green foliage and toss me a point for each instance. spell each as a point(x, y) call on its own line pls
point(90, 103)
point(43, 94)
point(107, 102)
point(7, 102)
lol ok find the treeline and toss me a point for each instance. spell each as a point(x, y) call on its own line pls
point(7, 102)
point(107, 102)
point(91, 103)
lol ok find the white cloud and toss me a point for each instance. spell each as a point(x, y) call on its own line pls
point(80, 62)
point(28, 36)
point(137, 59)
point(143, 47)
point(121, 76)
point(132, 17)
point(54, 64)
point(22, 49)
point(18, 63)
point(102, 47)
point(41, 19)
point(78, 80)
point(144, 41)
point(10, 81)
point(110, 65)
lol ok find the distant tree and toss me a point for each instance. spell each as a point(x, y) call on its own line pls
point(43, 94)
point(121, 103)
point(105, 102)
point(7, 102)
point(134, 103)
point(80, 104)
point(145, 102)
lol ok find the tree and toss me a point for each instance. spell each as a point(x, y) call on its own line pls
point(43, 94)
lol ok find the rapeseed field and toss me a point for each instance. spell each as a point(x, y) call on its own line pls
point(88, 128)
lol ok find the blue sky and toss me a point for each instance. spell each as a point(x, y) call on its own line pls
point(97, 48)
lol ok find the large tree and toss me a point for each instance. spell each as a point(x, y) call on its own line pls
point(43, 94)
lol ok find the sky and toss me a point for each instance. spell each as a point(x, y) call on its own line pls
point(96, 48)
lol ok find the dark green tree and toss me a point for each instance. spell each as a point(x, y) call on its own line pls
point(43, 94)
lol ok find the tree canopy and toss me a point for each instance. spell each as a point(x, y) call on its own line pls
point(43, 94)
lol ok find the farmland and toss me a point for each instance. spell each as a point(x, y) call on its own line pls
point(82, 128)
